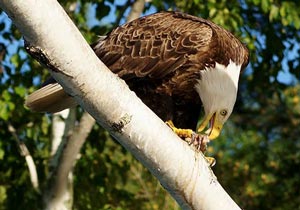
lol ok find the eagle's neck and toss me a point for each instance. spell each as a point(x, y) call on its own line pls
point(218, 86)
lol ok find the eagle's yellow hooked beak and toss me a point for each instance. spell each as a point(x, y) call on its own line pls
point(215, 126)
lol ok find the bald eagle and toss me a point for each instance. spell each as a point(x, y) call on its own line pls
point(176, 63)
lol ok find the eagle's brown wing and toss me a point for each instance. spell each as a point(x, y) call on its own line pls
point(159, 54)
point(167, 48)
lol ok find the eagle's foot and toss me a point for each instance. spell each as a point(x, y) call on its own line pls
point(199, 141)
point(183, 133)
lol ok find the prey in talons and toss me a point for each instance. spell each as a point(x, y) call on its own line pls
point(197, 140)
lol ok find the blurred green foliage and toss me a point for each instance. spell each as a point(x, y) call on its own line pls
point(258, 154)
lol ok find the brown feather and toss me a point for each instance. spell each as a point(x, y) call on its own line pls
point(171, 47)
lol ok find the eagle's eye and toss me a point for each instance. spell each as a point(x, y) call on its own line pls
point(223, 112)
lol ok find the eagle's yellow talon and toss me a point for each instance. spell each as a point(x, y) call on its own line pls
point(183, 133)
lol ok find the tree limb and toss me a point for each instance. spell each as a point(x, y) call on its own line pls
point(66, 144)
point(59, 130)
point(59, 184)
point(29, 160)
point(136, 10)
point(181, 170)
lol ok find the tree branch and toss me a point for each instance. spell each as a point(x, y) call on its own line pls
point(62, 124)
point(58, 195)
point(181, 170)
point(136, 10)
point(59, 131)
point(59, 181)
point(28, 158)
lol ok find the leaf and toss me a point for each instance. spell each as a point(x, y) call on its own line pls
point(15, 59)
point(102, 10)
point(20, 91)
point(3, 194)
point(3, 111)
point(6, 95)
point(2, 152)
point(256, 2)
point(2, 26)
point(265, 5)
point(274, 12)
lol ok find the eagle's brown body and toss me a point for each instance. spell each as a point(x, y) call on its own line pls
point(161, 56)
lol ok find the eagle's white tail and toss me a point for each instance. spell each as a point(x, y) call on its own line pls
point(50, 98)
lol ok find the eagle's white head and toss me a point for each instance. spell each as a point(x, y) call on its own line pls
point(217, 88)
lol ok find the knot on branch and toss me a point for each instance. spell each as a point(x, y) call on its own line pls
point(41, 56)
point(118, 126)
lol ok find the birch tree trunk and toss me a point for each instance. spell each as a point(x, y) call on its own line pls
point(62, 124)
point(58, 130)
point(59, 194)
point(52, 38)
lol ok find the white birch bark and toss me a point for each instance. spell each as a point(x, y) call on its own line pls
point(59, 195)
point(28, 158)
point(136, 10)
point(66, 144)
point(181, 170)
point(58, 129)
